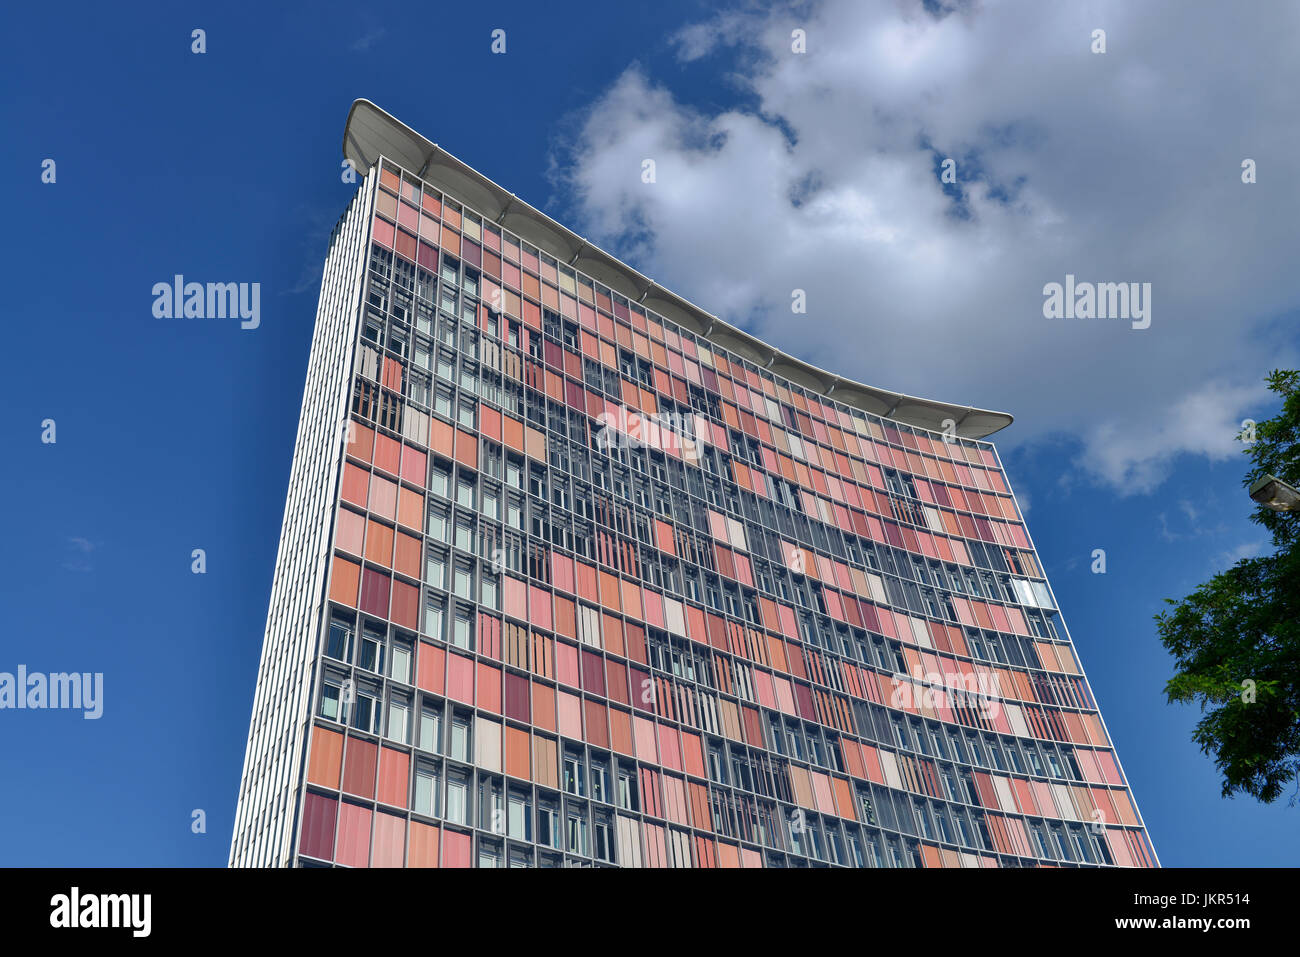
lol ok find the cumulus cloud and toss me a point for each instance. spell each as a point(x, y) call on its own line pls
point(824, 175)
point(1136, 453)
point(1240, 553)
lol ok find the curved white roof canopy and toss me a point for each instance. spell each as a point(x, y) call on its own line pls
point(371, 132)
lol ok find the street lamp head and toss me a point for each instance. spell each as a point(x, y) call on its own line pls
point(1271, 492)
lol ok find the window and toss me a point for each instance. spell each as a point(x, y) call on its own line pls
point(364, 711)
point(1053, 762)
point(447, 367)
point(490, 459)
point(1013, 755)
point(574, 776)
point(1035, 762)
point(491, 806)
point(330, 696)
point(439, 479)
point(873, 849)
point(464, 533)
point(433, 617)
point(795, 741)
point(399, 665)
point(868, 812)
point(895, 853)
point(967, 839)
point(426, 790)
point(519, 819)
point(1080, 846)
point(936, 742)
point(431, 730)
point(717, 769)
point(628, 798)
point(399, 710)
point(467, 413)
point(462, 630)
point(576, 833)
point(488, 592)
point(1041, 841)
point(923, 819)
point(922, 742)
point(339, 643)
point(834, 845)
point(372, 652)
point(418, 390)
point(462, 579)
point(465, 491)
point(460, 737)
point(435, 568)
point(492, 502)
point(817, 747)
point(602, 840)
point(548, 823)
point(600, 782)
point(457, 794)
point(797, 828)
point(560, 492)
point(442, 400)
point(950, 785)
point(945, 829)
point(857, 858)
point(776, 738)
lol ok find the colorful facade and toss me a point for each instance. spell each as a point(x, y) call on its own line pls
point(574, 574)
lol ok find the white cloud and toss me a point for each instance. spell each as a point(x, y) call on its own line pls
point(366, 42)
point(1135, 454)
point(697, 40)
point(1242, 551)
point(1116, 167)
point(81, 550)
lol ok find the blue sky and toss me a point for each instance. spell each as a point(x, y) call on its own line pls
point(173, 436)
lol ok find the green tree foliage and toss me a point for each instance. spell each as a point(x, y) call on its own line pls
point(1236, 638)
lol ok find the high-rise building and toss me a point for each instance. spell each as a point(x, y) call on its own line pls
point(573, 573)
